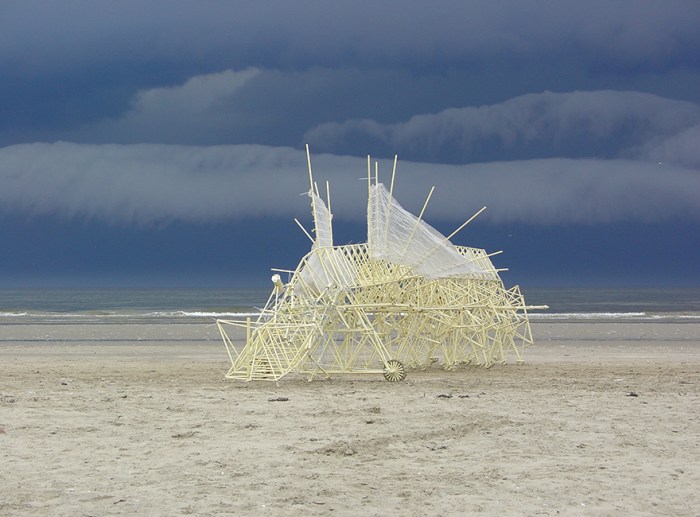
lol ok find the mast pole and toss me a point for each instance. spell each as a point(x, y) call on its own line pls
point(369, 203)
point(311, 185)
point(391, 198)
point(330, 214)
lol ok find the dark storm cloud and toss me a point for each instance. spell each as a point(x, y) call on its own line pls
point(242, 106)
point(201, 110)
point(275, 33)
point(579, 124)
point(155, 183)
point(233, 107)
point(257, 105)
point(68, 65)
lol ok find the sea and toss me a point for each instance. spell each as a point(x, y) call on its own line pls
point(36, 306)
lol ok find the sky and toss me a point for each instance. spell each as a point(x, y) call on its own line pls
point(161, 143)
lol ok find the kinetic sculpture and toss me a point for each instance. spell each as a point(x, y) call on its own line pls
point(407, 298)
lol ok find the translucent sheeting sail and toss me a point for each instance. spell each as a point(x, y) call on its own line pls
point(327, 268)
point(398, 236)
point(322, 223)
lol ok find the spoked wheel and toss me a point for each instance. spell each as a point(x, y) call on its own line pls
point(394, 371)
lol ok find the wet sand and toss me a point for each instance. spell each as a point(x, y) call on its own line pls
point(138, 419)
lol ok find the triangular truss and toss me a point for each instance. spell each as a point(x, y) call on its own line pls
point(407, 298)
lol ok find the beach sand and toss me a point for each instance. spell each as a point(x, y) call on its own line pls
point(138, 419)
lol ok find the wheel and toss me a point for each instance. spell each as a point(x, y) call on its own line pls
point(394, 371)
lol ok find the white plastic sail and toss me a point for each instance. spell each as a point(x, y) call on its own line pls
point(397, 236)
point(322, 222)
point(328, 268)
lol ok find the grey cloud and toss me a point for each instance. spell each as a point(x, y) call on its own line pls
point(272, 107)
point(315, 32)
point(142, 184)
point(602, 124)
point(68, 66)
point(196, 110)
point(148, 183)
point(682, 148)
point(561, 191)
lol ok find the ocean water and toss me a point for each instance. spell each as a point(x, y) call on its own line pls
point(82, 305)
point(616, 303)
point(52, 305)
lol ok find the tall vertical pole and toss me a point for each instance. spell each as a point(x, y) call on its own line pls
point(393, 175)
point(330, 214)
point(369, 203)
point(311, 188)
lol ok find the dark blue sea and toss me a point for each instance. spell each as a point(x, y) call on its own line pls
point(51, 305)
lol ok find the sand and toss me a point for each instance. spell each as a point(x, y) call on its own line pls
point(137, 419)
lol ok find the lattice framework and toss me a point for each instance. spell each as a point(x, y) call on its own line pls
point(344, 310)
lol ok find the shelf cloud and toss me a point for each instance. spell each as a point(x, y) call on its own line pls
point(148, 183)
point(603, 124)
